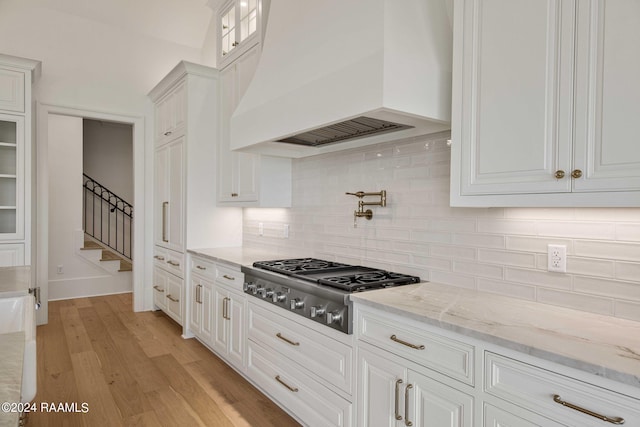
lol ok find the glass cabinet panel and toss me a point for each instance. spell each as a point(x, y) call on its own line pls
point(11, 156)
point(228, 33)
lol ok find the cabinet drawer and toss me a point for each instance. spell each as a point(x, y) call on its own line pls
point(444, 355)
point(229, 276)
point(203, 267)
point(295, 390)
point(169, 260)
point(326, 359)
point(534, 388)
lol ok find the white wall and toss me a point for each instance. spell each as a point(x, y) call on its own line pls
point(108, 156)
point(500, 250)
point(79, 277)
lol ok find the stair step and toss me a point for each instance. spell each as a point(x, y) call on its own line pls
point(110, 256)
point(89, 244)
point(125, 266)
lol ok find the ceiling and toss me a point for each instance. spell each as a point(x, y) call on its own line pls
point(184, 22)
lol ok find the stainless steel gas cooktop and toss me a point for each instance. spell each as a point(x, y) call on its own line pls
point(317, 289)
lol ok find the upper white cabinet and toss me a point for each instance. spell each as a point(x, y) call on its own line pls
point(171, 114)
point(544, 100)
point(16, 122)
point(247, 179)
point(239, 28)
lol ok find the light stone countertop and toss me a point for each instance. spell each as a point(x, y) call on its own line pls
point(239, 256)
point(14, 281)
point(602, 345)
point(11, 360)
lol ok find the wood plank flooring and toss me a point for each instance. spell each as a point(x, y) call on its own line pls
point(134, 369)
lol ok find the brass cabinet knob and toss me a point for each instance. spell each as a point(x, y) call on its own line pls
point(559, 174)
point(576, 173)
point(234, 194)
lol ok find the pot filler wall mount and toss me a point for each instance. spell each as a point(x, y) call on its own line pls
point(361, 212)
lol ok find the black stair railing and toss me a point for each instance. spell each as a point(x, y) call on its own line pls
point(107, 217)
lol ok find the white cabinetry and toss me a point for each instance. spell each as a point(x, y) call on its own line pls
point(229, 329)
point(396, 391)
point(185, 212)
point(247, 179)
point(239, 28)
point(307, 370)
point(545, 100)
point(201, 299)
point(16, 77)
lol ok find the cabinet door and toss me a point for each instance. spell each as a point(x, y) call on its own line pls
point(206, 325)
point(237, 171)
point(161, 198)
point(514, 86)
point(11, 255)
point(381, 385)
point(195, 307)
point(220, 330)
point(160, 288)
point(607, 93)
point(174, 299)
point(434, 404)
point(12, 171)
point(236, 324)
point(176, 187)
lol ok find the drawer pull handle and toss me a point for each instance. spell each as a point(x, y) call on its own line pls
point(279, 335)
point(175, 264)
point(158, 288)
point(398, 416)
point(172, 298)
point(408, 344)
point(199, 267)
point(158, 257)
point(228, 277)
point(406, 406)
point(293, 389)
point(614, 420)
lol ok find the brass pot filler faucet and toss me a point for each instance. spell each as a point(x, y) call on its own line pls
point(361, 204)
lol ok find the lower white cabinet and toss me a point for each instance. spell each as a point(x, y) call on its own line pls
point(229, 324)
point(391, 394)
point(201, 308)
point(168, 293)
point(566, 400)
point(498, 417)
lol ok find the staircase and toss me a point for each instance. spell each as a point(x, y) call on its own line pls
point(107, 258)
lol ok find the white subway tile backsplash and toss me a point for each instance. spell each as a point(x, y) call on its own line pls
point(539, 278)
point(518, 259)
point(498, 250)
point(578, 301)
point(627, 310)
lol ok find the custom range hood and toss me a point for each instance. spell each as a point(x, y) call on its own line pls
point(338, 74)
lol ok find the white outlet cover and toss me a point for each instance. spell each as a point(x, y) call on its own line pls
point(557, 258)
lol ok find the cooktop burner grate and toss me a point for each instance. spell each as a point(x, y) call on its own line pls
point(369, 280)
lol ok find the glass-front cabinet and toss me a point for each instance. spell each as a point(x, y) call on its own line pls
point(238, 28)
point(11, 177)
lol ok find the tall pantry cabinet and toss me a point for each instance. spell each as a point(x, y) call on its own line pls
point(16, 122)
point(185, 157)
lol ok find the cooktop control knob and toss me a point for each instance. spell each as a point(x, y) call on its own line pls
point(250, 287)
point(278, 297)
point(296, 303)
point(317, 310)
point(333, 317)
point(257, 291)
point(266, 293)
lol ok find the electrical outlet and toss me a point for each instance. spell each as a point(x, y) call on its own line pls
point(60, 269)
point(557, 258)
point(285, 231)
point(260, 229)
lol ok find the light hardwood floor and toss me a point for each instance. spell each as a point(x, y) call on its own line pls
point(134, 369)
